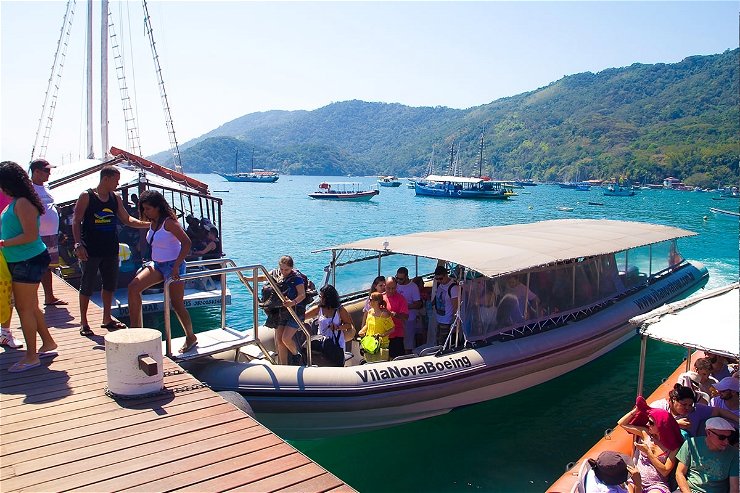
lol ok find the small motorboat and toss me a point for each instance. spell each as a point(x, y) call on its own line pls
point(388, 181)
point(348, 191)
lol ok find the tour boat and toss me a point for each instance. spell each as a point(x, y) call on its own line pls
point(347, 191)
point(457, 187)
point(589, 277)
point(188, 196)
point(716, 311)
point(617, 190)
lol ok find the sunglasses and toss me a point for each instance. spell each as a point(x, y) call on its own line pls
point(722, 438)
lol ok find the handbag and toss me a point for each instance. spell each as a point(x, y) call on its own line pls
point(370, 344)
point(6, 290)
point(331, 349)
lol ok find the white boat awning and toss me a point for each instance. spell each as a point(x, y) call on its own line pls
point(709, 321)
point(452, 179)
point(501, 250)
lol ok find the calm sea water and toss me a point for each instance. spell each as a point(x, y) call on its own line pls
point(519, 443)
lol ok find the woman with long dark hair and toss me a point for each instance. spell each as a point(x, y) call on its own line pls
point(170, 245)
point(334, 321)
point(28, 260)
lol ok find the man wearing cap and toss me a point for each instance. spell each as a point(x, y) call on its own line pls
point(48, 226)
point(706, 463)
point(728, 390)
point(609, 474)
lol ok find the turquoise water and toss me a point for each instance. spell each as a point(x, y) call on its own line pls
point(518, 443)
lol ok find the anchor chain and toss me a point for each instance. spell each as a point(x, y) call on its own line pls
point(158, 393)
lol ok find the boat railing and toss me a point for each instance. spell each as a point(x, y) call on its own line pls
point(257, 273)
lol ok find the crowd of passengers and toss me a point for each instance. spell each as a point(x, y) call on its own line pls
point(686, 442)
point(395, 318)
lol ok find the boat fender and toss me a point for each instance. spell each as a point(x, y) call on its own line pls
point(237, 400)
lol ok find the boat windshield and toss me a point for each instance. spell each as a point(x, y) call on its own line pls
point(490, 306)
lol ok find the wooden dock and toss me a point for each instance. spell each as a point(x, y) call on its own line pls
point(59, 431)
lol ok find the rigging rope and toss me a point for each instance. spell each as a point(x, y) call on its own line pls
point(52, 87)
point(163, 94)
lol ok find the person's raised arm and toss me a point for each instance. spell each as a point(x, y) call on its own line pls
point(126, 219)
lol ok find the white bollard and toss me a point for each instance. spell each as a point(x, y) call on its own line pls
point(129, 354)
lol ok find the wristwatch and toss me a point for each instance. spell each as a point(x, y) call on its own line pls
point(77, 245)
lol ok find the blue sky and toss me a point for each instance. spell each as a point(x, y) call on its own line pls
point(222, 60)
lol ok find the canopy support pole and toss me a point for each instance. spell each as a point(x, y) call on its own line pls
point(641, 370)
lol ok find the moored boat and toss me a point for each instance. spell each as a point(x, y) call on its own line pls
point(618, 190)
point(588, 283)
point(457, 187)
point(675, 323)
point(389, 181)
point(347, 191)
point(191, 199)
point(254, 176)
point(723, 213)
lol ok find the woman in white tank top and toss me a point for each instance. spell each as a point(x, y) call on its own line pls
point(170, 245)
point(333, 319)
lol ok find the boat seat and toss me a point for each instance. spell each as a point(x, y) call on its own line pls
point(429, 350)
point(405, 356)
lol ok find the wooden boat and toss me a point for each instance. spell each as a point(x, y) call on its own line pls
point(388, 181)
point(254, 176)
point(676, 324)
point(188, 196)
point(590, 277)
point(347, 191)
point(456, 187)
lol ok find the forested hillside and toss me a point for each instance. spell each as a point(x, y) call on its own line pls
point(642, 122)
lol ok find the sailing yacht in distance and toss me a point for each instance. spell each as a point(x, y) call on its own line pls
point(256, 175)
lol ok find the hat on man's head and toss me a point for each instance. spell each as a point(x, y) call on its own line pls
point(441, 270)
point(718, 423)
point(41, 164)
point(611, 467)
point(728, 383)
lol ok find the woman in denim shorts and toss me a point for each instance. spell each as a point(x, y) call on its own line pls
point(27, 260)
point(170, 245)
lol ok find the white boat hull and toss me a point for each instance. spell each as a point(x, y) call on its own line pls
point(154, 302)
point(305, 402)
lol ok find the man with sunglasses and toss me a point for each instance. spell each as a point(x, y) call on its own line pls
point(48, 225)
point(706, 463)
point(729, 389)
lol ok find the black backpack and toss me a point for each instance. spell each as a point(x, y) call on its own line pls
point(441, 309)
point(268, 299)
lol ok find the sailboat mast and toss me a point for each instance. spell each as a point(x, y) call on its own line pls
point(90, 148)
point(236, 162)
point(252, 159)
point(480, 158)
point(104, 78)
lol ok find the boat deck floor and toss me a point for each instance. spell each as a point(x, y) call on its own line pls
point(61, 432)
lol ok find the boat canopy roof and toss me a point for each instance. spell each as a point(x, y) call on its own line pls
point(708, 321)
point(453, 179)
point(69, 180)
point(501, 250)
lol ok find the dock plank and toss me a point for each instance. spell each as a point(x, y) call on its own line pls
point(61, 432)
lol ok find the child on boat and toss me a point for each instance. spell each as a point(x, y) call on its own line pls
point(378, 324)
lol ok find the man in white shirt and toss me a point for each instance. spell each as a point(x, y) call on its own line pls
point(48, 227)
point(445, 302)
point(410, 291)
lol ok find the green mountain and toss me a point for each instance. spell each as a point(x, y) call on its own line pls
point(641, 122)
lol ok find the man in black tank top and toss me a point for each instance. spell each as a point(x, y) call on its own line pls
point(94, 226)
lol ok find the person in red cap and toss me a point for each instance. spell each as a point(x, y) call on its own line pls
point(659, 438)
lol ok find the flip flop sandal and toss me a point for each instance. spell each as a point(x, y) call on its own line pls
point(187, 347)
point(56, 303)
point(48, 354)
point(86, 331)
point(21, 367)
point(113, 325)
